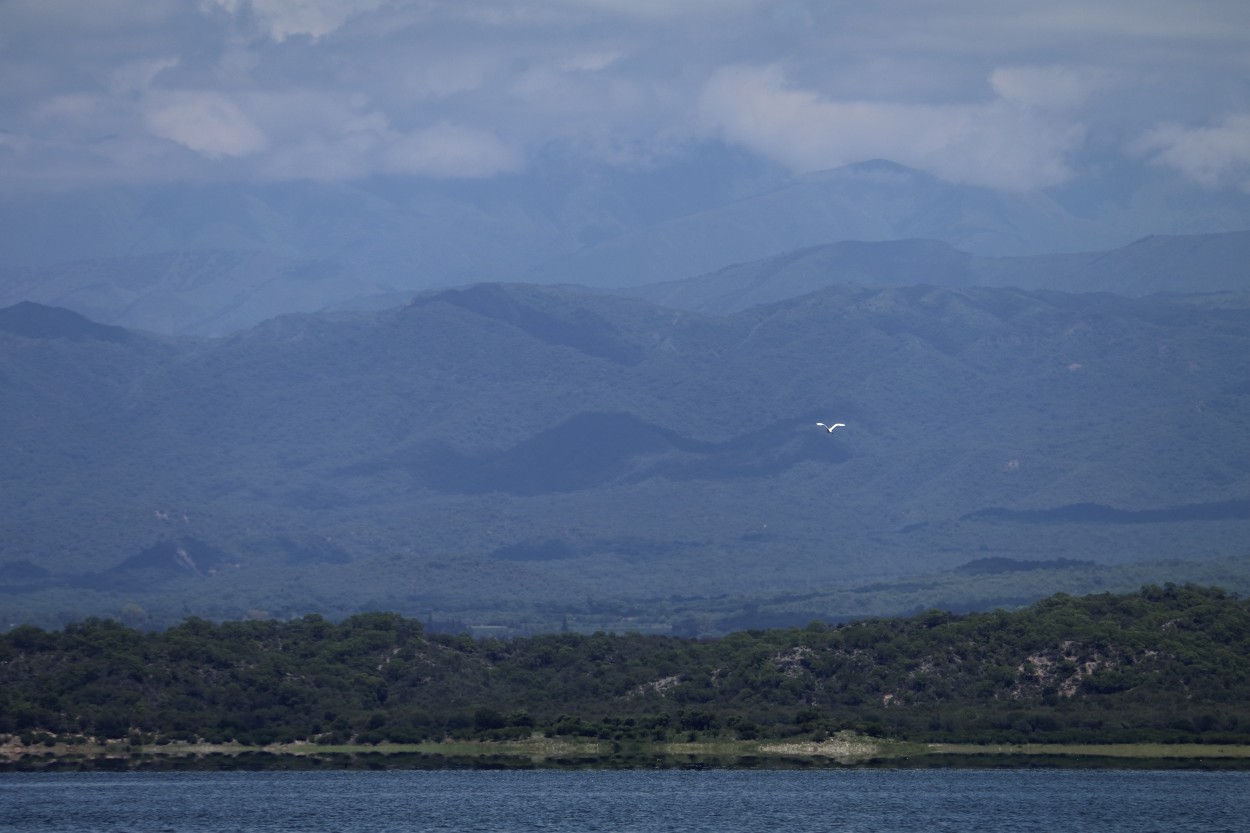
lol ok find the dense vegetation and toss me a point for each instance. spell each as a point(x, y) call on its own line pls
point(1165, 664)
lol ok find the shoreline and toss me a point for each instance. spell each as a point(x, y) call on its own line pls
point(842, 751)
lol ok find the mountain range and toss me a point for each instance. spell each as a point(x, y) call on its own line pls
point(210, 260)
point(1199, 263)
point(516, 449)
point(219, 292)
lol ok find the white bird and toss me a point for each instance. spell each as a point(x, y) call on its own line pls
point(830, 428)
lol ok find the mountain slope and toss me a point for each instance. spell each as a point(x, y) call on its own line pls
point(513, 444)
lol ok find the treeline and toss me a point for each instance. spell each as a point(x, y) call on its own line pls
point(1165, 664)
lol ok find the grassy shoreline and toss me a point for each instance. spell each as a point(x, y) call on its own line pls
point(844, 750)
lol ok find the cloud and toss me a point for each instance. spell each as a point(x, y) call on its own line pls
point(999, 143)
point(450, 150)
point(282, 19)
point(14, 144)
point(72, 107)
point(444, 77)
point(206, 122)
point(1214, 156)
point(319, 135)
point(1006, 95)
point(97, 16)
point(662, 9)
point(1050, 87)
point(138, 76)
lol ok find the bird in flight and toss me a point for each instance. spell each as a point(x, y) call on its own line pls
point(830, 428)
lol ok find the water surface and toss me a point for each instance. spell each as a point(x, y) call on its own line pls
point(555, 801)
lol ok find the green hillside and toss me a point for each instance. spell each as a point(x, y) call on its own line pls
point(1165, 664)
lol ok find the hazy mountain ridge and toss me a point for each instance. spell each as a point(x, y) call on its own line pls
point(1205, 263)
point(194, 292)
point(870, 201)
point(643, 449)
point(210, 260)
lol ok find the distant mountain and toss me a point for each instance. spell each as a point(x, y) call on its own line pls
point(445, 237)
point(871, 201)
point(412, 233)
point(511, 445)
point(1158, 263)
point(744, 285)
point(200, 259)
point(192, 293)
point(41, 322)
point(1176, 264)
point(219, 292)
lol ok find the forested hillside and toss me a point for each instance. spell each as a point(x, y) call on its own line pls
point(510, 455)
point(1164, 664)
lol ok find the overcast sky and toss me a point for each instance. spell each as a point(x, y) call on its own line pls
point(992, 92)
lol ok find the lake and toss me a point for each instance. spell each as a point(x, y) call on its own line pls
point(556, 801)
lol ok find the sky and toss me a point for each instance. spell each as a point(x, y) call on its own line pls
point(1009, 95)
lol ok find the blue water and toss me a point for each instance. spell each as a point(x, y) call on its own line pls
point(872, 801)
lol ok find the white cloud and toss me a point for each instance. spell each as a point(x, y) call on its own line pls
point(15, 144)
point(318, 135)
point(206, 122)
point(588, 61)
point(972, 90)
point(72, 107)
point(1050, 87)
point(668, 8)
point(998, 143)
point(318, 158)
point(363, 142)
point(445, 77)
point(450, 150)
point(1214, 156)
point(290, 115)
point(281, 19)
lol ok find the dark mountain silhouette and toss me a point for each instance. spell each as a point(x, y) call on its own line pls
point(162, 562)
point(592, 450)
point(32, 320)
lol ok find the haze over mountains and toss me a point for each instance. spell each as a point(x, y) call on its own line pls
point(513, 447)
point(510, 312)
point(627, 418)
point(1200, 263)
point(209, 260)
